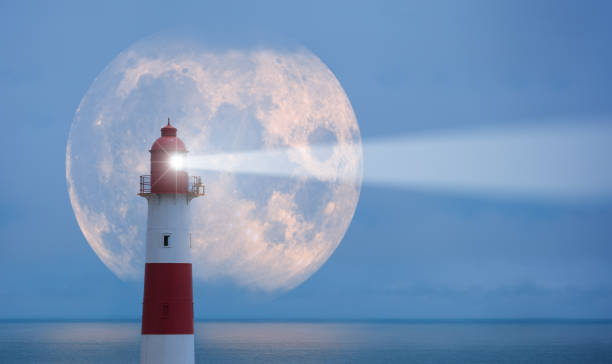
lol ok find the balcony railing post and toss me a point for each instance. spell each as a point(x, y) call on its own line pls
point(145, 184)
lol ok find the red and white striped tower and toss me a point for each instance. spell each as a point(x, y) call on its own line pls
point(167, 309)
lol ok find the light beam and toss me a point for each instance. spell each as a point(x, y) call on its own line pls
point(559, 161)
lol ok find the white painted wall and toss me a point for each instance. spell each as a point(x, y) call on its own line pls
point(168, 214)
point(164, 349)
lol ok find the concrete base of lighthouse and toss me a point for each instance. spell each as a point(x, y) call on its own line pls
point(167, 349)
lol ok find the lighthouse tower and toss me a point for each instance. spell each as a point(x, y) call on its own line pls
point(167, 309)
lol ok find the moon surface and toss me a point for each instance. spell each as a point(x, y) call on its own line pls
point(265, 233)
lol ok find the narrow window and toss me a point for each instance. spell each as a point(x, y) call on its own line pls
point(166, 241)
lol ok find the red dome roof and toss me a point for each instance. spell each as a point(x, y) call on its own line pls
point(169, 142)
point(168, 130)
point(164, 177)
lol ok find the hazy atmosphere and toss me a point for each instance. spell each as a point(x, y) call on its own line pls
point(505, 239)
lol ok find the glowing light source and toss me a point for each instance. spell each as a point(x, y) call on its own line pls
point(177, 161)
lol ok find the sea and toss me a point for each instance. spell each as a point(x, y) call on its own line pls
point(457, 341)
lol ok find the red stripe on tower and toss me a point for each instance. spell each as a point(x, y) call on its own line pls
point(168, 299)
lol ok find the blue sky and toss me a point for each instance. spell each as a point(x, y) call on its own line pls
point(407, 67)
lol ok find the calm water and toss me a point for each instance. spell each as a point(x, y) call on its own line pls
point(363, 342)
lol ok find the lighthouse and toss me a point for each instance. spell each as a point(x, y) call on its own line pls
point(167, 309)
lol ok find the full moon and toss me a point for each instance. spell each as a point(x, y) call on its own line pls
point(263, 232)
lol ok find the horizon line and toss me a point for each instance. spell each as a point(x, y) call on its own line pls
point(607, 320)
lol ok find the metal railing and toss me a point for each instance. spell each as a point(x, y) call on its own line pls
point(195, 187)
point(145, 184)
